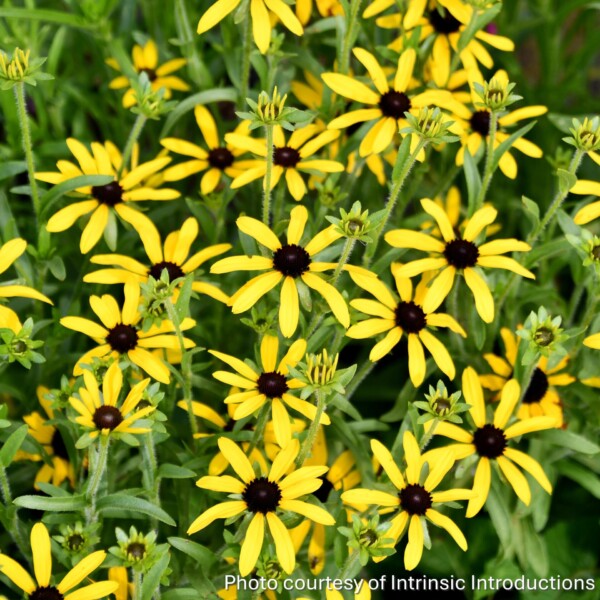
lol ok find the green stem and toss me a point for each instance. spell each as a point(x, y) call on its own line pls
point(27, 147)
point(349, 569)
point(348, 40)
point(359, 377)
point(186, 366)
point(346, 252)
point(391, 203)
point(97, 468)
point(309, 440)
point(150, 467)
point(246, 50)
point(428, 435)
point(135, 133)
point(16, 531)
point(137, 584)
point(266, 213)
point(488, 171)
point(5, 486)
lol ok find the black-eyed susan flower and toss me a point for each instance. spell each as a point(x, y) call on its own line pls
point(173, 255)
point(219, 159)
point(130, 185)
point(404, 316)
point(458, 253)
point(342, 475)
point(50, 438)
point(9, 253)
point(290, 262)
point(441, 24)
point(100, 413)
point(261, 12)
point(388, 104)
point(289, 157)
point(474, 122)
point(42, 588)
point(540, 398)
point(270, 383)
point(488, 440)
point(145, 60)
point(586, 214)
point(120, 335)
point(261, 498)
point(414, 499)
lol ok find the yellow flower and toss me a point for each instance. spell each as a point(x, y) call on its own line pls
point(118, 335)
point(458, 253)
point(413, 499)
point(387, 105)
point(405, 316)
point(271, 383)
point(444, 21)
point(261, 12)
point(125, 591)
point(99, 411)
point(130, 186)
point(588, 213)
point(42, 565)
point(540, 398)
point(326, 8)
point(342, 475)
point(9, 253)
point(261, 498)
point(50, 437)
point(290, 262)
point(289, 157)
point(145, 60)
point(217, 160)
point(172, 256)
point(475, 125)
point(489, 441)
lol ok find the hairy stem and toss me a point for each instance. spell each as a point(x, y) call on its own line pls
point(348, 40)
point(266, 212)
point(246, 50)
point(134, 135)
point(98, 459)
point(309, 440)
point(346, 252)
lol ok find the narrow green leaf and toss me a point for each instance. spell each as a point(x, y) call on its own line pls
point(12, 444)
point(169, 471)
point(55, 504)
point(182, 306)
point(581, 475)
point(57, 191)
point(473, 180)
point(508, 142)
point(10, 168)
point(201, 554)
point(51, 16)
point(120, 502)
point(568, 439)
point(401, 158)
point(533, 210)
point(566, 180)
point(152, 579)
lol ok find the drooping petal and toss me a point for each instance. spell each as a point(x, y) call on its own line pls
point(449, 525)
point(252, 545)
point(481, 486)
point(414, 548)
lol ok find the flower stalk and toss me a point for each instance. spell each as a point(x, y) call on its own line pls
point(134, 135)
point(266, 212)
point(98, 459)
point(311, 435)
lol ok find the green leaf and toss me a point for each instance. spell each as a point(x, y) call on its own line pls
point(473, 180)
point(581, 475)
point(116, 503)
point(182, 306)
point(169, 471)
point(570, 440)
point(56, 192)
point(535, 549)
point(401, 158)
point(201, 554)
point(500, 517)
point(12, 444)
point(51, 16)
point(532, 209)
point(10, 168)
point(55, 504)
point(152, 579)
point(508, 142)
point(566, 180)
point(57, 267)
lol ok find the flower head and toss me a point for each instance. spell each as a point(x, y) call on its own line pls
point(21, 69)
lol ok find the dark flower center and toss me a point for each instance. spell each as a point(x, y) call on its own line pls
point(122, 338)
point(107, 417)
point(322, 494)
point(136, 550)
point(272, 385)
point(109, 194)
point(461, 254)
point(220, 158)
point(596, 252)
point(415, 499)
point(58, 445)
point(538, 386)
point(394, 104)
point(286, 156)
point(173, 270)
point(444, 23)
point(480, 122)
point(291, 260)
point(75, 541)
point(46, 593)
point(489, 441)
point(410, 317)
point(150, 72)
point(262, 495)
